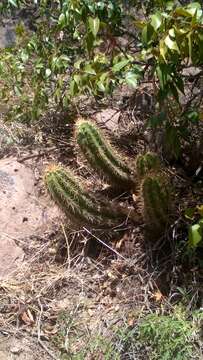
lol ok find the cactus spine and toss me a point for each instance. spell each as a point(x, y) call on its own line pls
point(156, 203)
point(77, 204)
point(101, 156)
point(146, 163)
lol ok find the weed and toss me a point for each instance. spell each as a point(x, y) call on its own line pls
point(172, 336)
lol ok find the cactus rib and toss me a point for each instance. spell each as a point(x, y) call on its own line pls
point(101, 155)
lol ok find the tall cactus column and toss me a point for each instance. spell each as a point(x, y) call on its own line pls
point(156, 203)
point(75, 202)
point(102, 156)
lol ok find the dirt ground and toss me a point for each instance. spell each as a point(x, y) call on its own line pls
point(24, 212)
point(14, 348)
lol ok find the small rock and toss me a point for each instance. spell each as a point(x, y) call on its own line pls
point(109, 118)
point(17, 349)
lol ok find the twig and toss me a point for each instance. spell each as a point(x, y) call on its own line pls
point(39, 333)
point(106, 245)
point(19, 333)
point(39, 154)
point(47, 350)
point(67, 245)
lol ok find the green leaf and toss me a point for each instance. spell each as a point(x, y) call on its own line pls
point(78, 63)
point(192, 116)
point(182, 12)
point(189, 213)
point(89, 70)
point(139, 24)
point(13, 2)
point(101, 86)
point(120, 65)
point(169, 5)
point(24, 56)
point(156, 21)
point(147, 34)
point(62, 20)
point(73, 88)
point(162, 74)
point(17, 90)
point(103, 83)
point(163, 49)
point(172, 33)
point(195, 236)
point(48, 72)
point(194, 5)
point(179, 83)
point(94, 24)
point(157, 120)
point(77, 79)
point(171, 44)
point(201, 225)
point(89, 42)
point(131, 79)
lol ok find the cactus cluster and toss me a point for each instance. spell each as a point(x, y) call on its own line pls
point(76, 203)
point(156, 198)
point(80, 206)
point(102, 156)
point(146, 163)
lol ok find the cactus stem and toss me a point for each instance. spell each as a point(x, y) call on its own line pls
point(101, 155)
point(77, 203)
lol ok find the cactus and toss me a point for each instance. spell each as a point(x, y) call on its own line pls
point(101, 155)
point(146, 163)
point(156, 203)
point(77, 204)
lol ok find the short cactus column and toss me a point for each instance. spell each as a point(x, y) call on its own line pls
point(156, 203)
point(102, 156)
point(78, 205)
point(147, 163)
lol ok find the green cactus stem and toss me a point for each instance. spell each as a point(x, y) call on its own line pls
point(156, 203)
point(75, 202)
point(147, 163)
point(101, 155)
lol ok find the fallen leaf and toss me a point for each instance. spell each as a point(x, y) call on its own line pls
point(121, 241)
point(51, 330)
point(27, 317)
point(131, 322)
point(90, 312)
point(158, 296)
point(111, 275)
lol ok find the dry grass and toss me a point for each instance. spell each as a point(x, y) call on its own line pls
point(77, 307)
point(97, 294)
